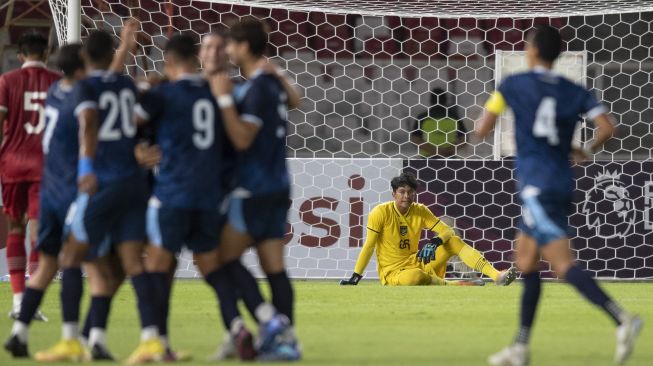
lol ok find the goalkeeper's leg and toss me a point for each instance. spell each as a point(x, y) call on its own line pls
point(470, 256)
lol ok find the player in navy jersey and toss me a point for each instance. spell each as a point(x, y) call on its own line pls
point(547, 108)
point(112, 194)
point(256, 125)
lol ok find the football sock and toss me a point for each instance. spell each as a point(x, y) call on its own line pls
point(161, 287)
point(16, 261)
point(220, 281)
point(246, 284)
point(72, 287)
point(282, 293)
point(143, 288)
point(587, 286)
point(472, 257)
point(30, 304)
point(529, 300)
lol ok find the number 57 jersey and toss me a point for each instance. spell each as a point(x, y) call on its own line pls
point(113, 97)
point(22, 96)
point(546, 107)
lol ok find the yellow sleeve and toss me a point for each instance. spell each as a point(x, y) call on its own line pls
point(374, 226)
point(365, 254)
point(496, 104)
point(433, 223)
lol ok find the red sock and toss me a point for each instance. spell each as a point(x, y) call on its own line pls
point(33, 260)
point(16, 261)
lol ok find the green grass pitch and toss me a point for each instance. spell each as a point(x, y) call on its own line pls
point(374, 325)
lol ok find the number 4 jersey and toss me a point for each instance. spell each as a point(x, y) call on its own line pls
point(113, 96)
point(22, 95)
point(546, 107)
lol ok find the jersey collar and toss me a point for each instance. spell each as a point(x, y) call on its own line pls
point(191, 77)
point(394, 205)
point(33, 64)
point(542, 70)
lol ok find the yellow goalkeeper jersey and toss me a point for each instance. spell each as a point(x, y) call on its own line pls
point(396, 237)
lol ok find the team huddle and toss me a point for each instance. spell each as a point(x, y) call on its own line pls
point(219, 151)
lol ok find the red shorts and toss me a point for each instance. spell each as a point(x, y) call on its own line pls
point(21, 198)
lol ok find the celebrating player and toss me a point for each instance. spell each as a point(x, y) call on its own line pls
point(546, 108)
point(256, 125)
point(394, 228)
point(22, 93)
point(112, 196)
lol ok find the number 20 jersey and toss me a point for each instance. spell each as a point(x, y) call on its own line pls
point(113, 96)
point(546, 107)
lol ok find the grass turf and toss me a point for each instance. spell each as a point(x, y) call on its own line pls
point(374, 325)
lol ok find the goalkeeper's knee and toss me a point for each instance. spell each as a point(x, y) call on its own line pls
point(414, 277)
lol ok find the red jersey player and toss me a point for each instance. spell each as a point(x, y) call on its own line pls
point(22, 95)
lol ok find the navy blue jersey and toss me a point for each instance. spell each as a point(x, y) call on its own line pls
point(547, 108)
point(189, 131)
point(113, 96)
point(262, 169)
point(60, 147)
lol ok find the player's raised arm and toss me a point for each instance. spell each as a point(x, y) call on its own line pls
point(241, 131)
point(294, 98)
point(493, 109)
point(127, 43)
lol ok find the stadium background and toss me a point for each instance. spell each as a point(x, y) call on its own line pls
point(365, 79)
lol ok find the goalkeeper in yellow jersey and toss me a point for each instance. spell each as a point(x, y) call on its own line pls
point(394, 229)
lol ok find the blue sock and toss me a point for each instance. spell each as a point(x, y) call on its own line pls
point(72, 286)
point(529, 300)
point(161, 286)
point(31, 302)
point(587, 286)
point(224, 288)
point(146, 306)
point(100, 307)
point(282, 293)
point(246, 284)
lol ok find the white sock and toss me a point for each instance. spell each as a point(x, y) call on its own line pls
point(97, 336)
point(70, 330)
point(265, 312)
point(18, 299)
point(19, 329)
point(235, 326)
point(148, 333)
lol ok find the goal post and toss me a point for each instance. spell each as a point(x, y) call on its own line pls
point(367, 72)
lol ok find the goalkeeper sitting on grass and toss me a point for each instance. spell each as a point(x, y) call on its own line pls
point(394, 229)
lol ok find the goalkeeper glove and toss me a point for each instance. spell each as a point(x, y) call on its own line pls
point(427, 253)
point(353, 280)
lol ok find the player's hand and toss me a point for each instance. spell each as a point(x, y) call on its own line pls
point(427, 253)
point(87, 183)
point(578, 155)
point(353, 280)
point(221, 84)
point(268, 67)
point(128, 33)
point(148, 156)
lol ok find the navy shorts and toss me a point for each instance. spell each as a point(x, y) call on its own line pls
point(52, 218)
point(173, 228)
point(116, 210)
point(545, 215)
point(261, 217)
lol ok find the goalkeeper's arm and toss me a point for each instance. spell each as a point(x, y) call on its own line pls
point(363, 258)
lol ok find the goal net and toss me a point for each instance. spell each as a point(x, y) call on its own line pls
point(370, 74)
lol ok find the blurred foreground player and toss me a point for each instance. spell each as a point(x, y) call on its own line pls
point(547, 108)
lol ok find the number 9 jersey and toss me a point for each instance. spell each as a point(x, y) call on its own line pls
point(113, 96)
point(547, 108)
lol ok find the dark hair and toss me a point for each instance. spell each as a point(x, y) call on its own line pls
point(32, 43)
point(69, 59)
point(182, 47)
point(253, 31)
point(548, 42)
point(404, 179)
point(99, 47)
